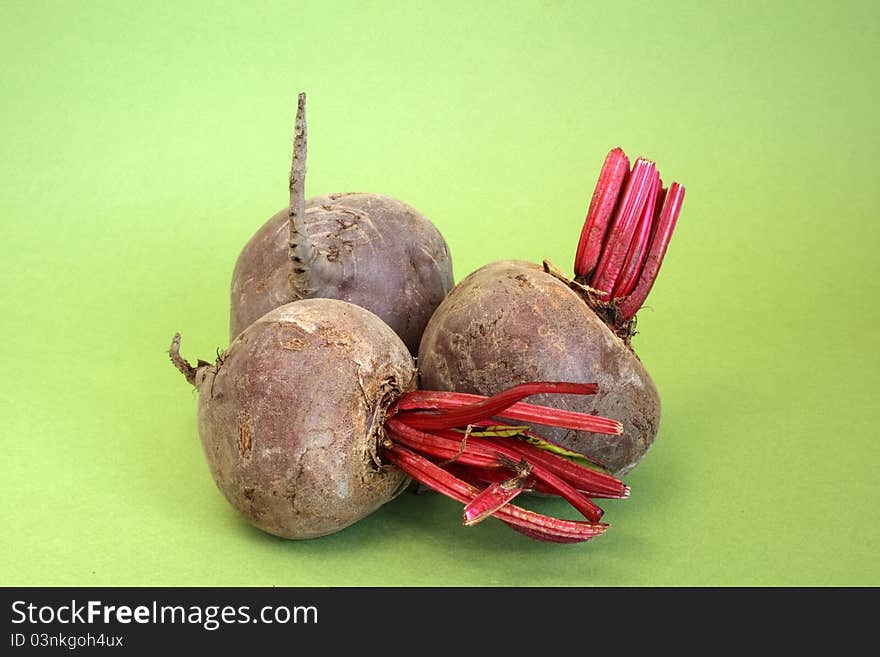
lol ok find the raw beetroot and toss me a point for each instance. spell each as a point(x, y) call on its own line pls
point(309, 422)
point(290, 415)
point(371, 250)
point(514, 321)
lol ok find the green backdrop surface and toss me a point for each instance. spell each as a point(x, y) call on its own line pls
point(142, 145)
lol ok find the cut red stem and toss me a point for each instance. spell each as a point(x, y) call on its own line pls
point(481, 476)
point(536, 525)
point(447, 445)
point(614, 173)
point(541, 487)
point(460, 409)
point(656, 252)
point(489, 500)
point(582, 478)
point(541, 473)
point(487, 407)
point(626, 219)
point(496, 495)
point(543, 536)
point(587, 480)
point(485, 454)
point(638, 248)
point(569, 493)
point(471, 475)
point(485, 475)
point(441, 447)
point(423, 438)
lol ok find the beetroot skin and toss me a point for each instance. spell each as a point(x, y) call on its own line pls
point(290, 415)
point(367, 249)
point(509, 322)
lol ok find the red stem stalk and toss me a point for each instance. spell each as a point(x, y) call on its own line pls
point(587, 480)
point(486, 454)
point(471, 476)
point(638, 249)
point(481, 476)
point(484, 475)
point(520, 411)
point(597, 484)
point(557, 484)
point(420, 428)
point(540, 536)
point(496, 495)
point(656, 252)
point(447, 445)
point(535, 525)
point(569, 493)
point(487, 407)
point(620, 234)
point(441, 447)
point(614, 173)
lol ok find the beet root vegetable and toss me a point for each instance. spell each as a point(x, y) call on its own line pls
point(309, 423)
point(510, 321)
point(514, 321)
point(290, 415)
point(371, 250)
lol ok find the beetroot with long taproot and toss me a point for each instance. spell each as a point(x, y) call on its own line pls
point(513, 321)
point(309, 422)
point(368, 249)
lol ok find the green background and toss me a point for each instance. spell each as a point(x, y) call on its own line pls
point(143, 145)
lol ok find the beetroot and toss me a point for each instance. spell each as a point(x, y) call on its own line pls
point(367, 249)
point(309, 422)
point(289, 416)
point(513, 321)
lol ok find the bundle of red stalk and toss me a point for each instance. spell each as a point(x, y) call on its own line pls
point(625, 236)
point(486, 466)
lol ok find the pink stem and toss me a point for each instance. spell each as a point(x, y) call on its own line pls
point(542, 536)
point(595, 484)
point(483, 452)
point(614, 173)
point(620, 235)
point(487, 407)
point(541, 487)
point(423, 399)
point(472, 475)
point(638, 250)
point(540, 472)
point(537, 525)
point(569, 493)
point(587, 480)
point(480, 475)
point(491, 499)
point(441, 447)
point(656, 252)
point(447, 445)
